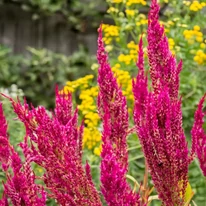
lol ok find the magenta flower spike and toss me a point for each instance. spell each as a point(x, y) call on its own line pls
point(163, 68)
point(199, 136)
point(3, 124)
point(4, 143)
point(56, 146)
point(158, 116)
point(20, 186)
point(113, 111)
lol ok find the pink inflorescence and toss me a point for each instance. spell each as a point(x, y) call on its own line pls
point(53, 141)
point(56, 146)
point(20, 186)
point(113, 111)
point(158, 116)
point(199, 136)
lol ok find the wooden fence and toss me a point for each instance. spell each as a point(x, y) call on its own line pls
point(18, 30)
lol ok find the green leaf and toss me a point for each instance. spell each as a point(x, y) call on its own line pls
point(188, 194)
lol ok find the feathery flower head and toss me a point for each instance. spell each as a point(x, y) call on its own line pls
point(3, 124)
point(4, 143)
point(113, 111)
point(56, 146)
point(158, 116)
point(111, 99)
point(163, 68)
point(199, 136)
point(20, 186)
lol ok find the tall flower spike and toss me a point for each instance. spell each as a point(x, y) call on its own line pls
point(163, 68)
point(4, 143)
point(140, 90)
point(20, 187)
point(113, 111)
point(158, 116)
point(199, 136)
point(3, 124)
point(56, 145)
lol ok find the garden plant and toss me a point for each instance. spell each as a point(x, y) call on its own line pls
point(53, 165)
point(124, 24)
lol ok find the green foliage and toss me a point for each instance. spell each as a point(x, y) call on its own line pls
point(76, 13)
point(38, 74)
point(198, 183)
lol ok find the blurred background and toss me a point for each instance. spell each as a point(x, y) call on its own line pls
point(44, 43)
point(47, 42)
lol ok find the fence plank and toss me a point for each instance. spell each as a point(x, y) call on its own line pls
point(18, 30)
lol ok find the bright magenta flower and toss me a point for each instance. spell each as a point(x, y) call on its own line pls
point(199, 136)
point(163, 68)
point(158, 116)
point(113, 111)
point(20, 186)
point(56, 146)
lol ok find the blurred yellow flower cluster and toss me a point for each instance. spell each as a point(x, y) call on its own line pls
point(112, 10)
point(110, 32)
point(71, 86)
point(196, 35)
point(192, 35)
point(171, 45)
point(126, 58)
point(196, 5)
point(88, 100)
point(88, 95)
point(142, 20)
point(130, 12)
point(92, 135)
point(124, 80)
point(200, 57)
point(132, 56)
point(128, 2)
point(115, 1)
point(131, 2)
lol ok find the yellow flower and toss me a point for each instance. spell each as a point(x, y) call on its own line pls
point(130, 12)
point(194, 34)
point(94, 66)
point(125, 58)
point(200, 57)
point(110, 32)
point(187, 3)
point(112, 10)
point(108, 48)
point(202, 46)
point(196, 28)
point(116, 1)
point(97, 150)
point(196, 5)
point(171, 44)
point(132, 45)
point(199, 39)
point(130, 2)
point(125, 81)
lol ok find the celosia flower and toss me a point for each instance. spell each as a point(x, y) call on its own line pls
point(4, 143)
point(158, 116)
point(3, 124)
point(20, 187)
point(56, 146)
point(113, 111)
point(163, 68)
point(199, 136)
